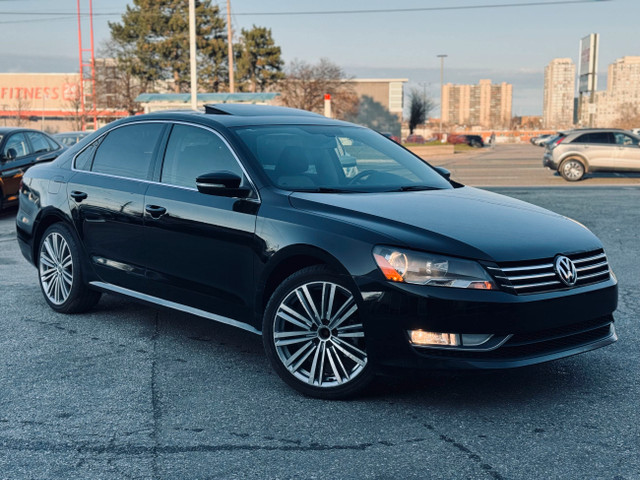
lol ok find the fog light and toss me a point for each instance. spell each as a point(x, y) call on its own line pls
point(420, 337)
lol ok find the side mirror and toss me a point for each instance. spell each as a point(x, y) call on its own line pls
point(348, 161)
point(10, 155)
point(444, 172)
point(222, 184)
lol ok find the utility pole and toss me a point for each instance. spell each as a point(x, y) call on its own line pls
point(441, 57)
point(192, 54)
point(229, 41)
point(42, 125)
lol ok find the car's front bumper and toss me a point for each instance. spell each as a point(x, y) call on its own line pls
point(537, 328)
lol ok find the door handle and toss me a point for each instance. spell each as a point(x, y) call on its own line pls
point(78, 196)
point(155, 211)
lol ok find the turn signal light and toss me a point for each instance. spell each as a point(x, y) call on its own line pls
point(387, 270)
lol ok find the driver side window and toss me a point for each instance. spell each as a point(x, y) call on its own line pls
point(193, 151)
point(625, 140)
point(16, 147)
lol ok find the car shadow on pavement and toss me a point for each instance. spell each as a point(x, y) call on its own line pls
point(8, 212)
point(549, 382)
point(594, 175)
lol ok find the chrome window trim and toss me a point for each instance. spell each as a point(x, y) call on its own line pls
point(152, 182)
point(176, 306)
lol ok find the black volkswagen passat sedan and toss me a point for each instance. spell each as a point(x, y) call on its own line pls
point(350, 255)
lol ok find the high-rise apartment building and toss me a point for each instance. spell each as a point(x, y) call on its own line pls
point(559, 90)
point(621, 97)
point(486, 105)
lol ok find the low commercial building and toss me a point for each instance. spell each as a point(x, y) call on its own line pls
point(46, 101)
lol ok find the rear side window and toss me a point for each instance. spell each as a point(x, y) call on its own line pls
point(128, 151)
point(193, 151)
point(85, 157)
point(596, 137)
point(39, 142)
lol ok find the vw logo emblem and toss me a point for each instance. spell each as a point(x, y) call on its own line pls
point(566, 270)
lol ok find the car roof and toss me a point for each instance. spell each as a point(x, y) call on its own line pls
point(79, 132)
point(233, 115)
point(17, 129)
point(588, 130)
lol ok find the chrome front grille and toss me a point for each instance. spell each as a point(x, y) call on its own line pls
point(539, 275)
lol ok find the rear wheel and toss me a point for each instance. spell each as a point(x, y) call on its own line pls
point(314, 335)
point(572, 170)
point(60, 272)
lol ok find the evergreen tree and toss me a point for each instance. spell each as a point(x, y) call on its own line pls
point(258, 62)
point(153, 43)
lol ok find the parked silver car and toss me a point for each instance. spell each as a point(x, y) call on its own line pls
point(577, 152)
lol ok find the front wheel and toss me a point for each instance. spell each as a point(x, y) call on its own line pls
point(314, 336)
point(572, 170)
point(60, 273)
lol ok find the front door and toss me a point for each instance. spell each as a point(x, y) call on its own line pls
point(628, 157)
point(200, 247)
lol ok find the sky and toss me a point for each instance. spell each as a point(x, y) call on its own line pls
point(510, 44)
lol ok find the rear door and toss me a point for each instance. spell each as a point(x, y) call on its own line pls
point(599, 148)
point(106, 197)
point(200, 247)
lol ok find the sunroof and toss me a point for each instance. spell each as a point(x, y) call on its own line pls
point(252, 110)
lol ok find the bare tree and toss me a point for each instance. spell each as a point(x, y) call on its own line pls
point(74, 104)
point(305, 86)
point(117, 87)
point(629, 116)
point(20, 106)
point(419, 108)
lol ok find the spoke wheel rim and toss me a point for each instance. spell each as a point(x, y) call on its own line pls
point(56, 268)
point(318, 335)
point(573, 170)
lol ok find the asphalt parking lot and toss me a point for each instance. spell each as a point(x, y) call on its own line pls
point(519, 165)
point(129, 391)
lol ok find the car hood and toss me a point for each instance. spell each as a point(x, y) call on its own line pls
point(465, 222)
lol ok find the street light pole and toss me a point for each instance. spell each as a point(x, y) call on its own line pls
point(441, 57)
point(230, 47)
point(192, 55)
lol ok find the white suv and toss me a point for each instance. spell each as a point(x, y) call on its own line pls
point(577, 152)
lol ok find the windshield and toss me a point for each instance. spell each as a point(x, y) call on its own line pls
point(317, 158)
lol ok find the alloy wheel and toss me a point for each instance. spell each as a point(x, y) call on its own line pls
point(573, 170)
point(318, 335)
point(56, 268)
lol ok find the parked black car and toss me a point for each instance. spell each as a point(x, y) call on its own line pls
point(474, 141)
point(21, 148)
point(244, 214)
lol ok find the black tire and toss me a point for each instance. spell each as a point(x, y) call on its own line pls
point(326, 332)
point(475, 144)
point(572, 169)
point(60, 272)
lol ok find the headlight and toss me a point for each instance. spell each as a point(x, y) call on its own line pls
point(419, 268)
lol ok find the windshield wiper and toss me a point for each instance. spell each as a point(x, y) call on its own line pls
point(327, 190)
point(413, 188)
